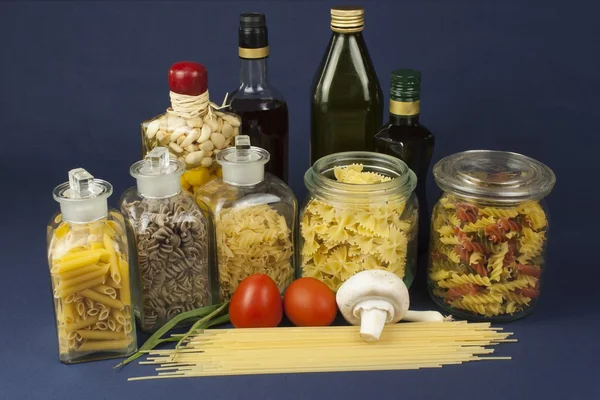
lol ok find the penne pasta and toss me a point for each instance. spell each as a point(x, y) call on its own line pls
point(104, 314)
point(82, 278)
point(101, 325)
point(119, 317)
point(75, 326)
point(90, 294)
point(112, 325)
point(80, 308)
point(125, 290)
point(107, 290)
point(82, 259)
point(93, 311)
point(76, 272)
point(114, 266)
point(113, 284)
point(105, 345)
point(97, 245)
point(68, 314)
point(78, 288)
point(101, 335)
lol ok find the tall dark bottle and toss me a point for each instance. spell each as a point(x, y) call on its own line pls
point(263, 109)
point(404, 137)
point(346, 103)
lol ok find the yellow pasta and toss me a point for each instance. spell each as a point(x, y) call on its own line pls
point(115, 274)
point(101, 335)
point(79, 287)
point(82, 259)
point(107, 345)
point(113, 303)
point(97, 272)
point(125, 291)
point(81, 324)
point(77, 272)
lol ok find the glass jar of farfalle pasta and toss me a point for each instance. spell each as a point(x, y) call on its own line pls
point(89, 269)
point(361, 214)
point(489, 234)
point(172, 242)
point(254, 217)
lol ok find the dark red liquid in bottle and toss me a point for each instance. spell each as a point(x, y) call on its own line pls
point(266, 122)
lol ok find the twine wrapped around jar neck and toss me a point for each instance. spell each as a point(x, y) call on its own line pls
point(186, 107)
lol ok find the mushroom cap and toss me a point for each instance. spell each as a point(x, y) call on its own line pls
point(373, 285)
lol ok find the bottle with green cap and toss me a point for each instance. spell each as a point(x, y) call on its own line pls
point(404, 137)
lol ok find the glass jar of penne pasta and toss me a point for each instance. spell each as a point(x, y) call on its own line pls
point(361, 214)
point(172, 252)
point(89, 269)
point(255, 218)
point(489, 233)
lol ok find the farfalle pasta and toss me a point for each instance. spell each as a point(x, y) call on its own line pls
point(252, 240)
point(486, 261)
point(340, 239)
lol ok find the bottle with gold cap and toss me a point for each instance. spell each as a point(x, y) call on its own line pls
point(346, 103)
point(404, 137)
point(263, 109)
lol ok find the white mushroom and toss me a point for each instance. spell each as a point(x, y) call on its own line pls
point(374, 298)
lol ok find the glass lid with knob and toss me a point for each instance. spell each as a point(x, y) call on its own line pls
point(83, 198)
point(495, 176)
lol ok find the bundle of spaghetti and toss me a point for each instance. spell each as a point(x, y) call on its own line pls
point(326, 349)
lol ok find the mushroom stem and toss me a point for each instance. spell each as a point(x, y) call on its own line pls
point(373, 314)
point(423, 316)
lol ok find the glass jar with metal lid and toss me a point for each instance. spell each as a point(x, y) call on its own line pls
point(361, 214)
point(489, 233)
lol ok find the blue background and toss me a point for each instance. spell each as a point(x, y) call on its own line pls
point(76, 80)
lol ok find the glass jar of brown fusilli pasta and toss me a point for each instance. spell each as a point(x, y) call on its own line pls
point(89, 268)
point(255, 218)
point(489, 234)
point(361, 214)
point(173, 242)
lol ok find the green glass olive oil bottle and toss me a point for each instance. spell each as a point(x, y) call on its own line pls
point(406, 138)
point(346, 103)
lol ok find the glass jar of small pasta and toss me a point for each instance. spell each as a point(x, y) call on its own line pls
point(361, 214)
point(255, 218)
point(489, 233)
point(89, 269)
point(172, 239)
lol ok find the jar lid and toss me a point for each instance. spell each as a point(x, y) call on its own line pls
point(243, 165)
point(157, 175)
point(83, 198)
point(497, 176)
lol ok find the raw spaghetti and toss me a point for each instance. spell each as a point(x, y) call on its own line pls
point(326, 349)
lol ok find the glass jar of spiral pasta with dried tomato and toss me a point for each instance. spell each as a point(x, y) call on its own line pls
point(489, 234)
point(361, 214)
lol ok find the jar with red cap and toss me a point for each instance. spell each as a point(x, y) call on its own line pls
point(193, 129)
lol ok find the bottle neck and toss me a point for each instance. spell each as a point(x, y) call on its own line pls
point(404, 120)
point(404, 113)
point(253, 72)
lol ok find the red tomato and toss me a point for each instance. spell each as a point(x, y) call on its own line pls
point(256, 303)
point(309, 302)
point(187, 77)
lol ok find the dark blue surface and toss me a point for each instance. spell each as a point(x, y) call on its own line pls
point(77, 79)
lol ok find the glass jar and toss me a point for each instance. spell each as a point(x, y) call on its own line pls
point(172, 242)
point(192, 129)
point(489, 234)
point(255, 218)
point(89, 269)
point(361, 214)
